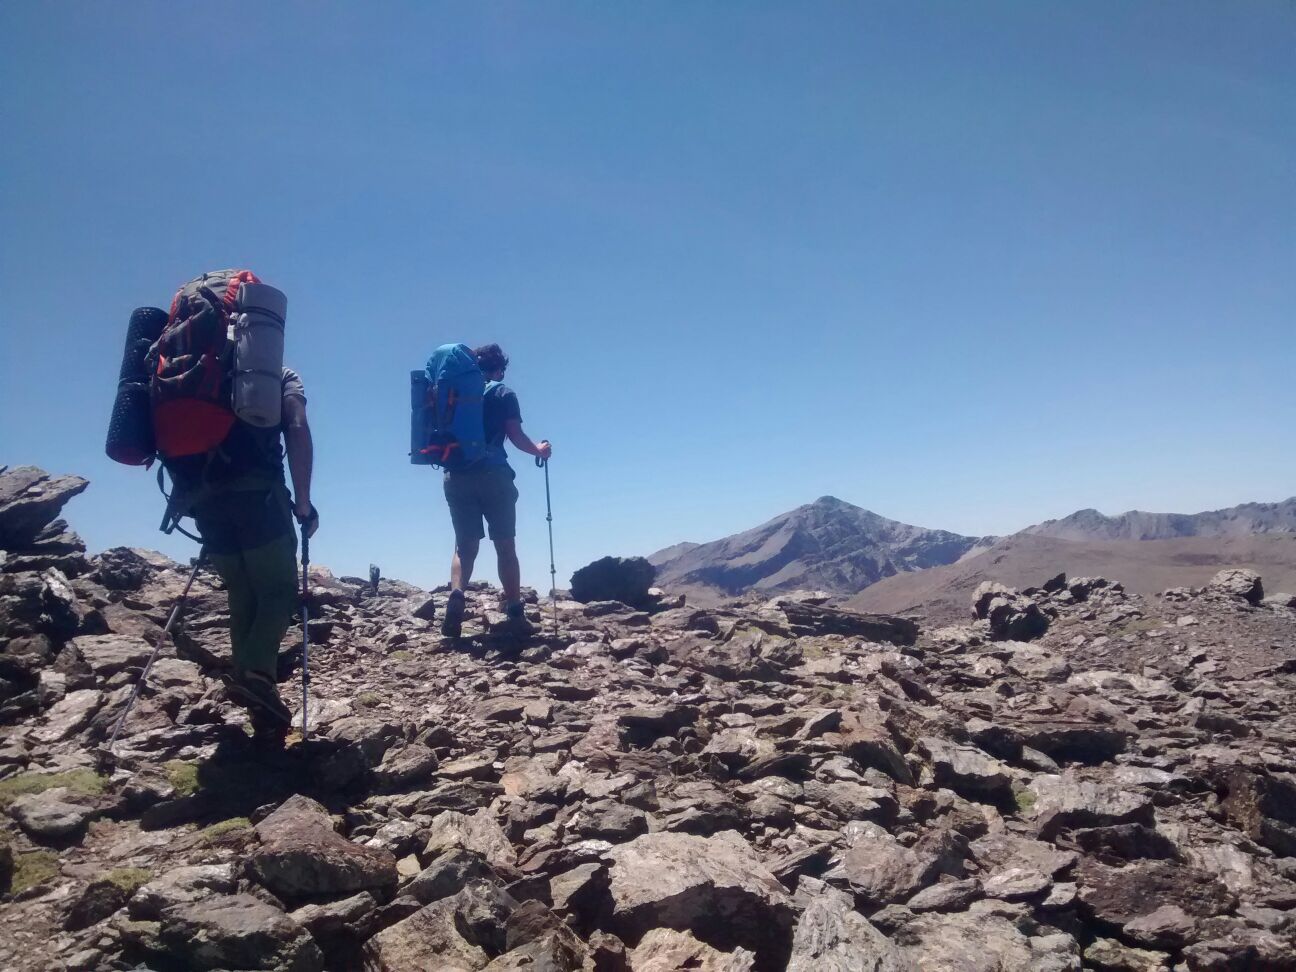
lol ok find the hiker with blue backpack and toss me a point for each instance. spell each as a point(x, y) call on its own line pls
point(462, 415)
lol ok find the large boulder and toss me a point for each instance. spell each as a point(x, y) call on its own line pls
point(1011, 616)
point(1239, 582)
point(301, 856)
point(715, 887)
point(30, 498)
point(624, 579)
point(237, 932)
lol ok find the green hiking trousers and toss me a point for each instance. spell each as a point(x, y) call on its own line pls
point(250, 539)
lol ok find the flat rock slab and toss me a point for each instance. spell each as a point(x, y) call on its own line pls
point(109, 654)
point(715, 887)
point(50, 816)
point(1067, 801)
point(237, 932)
point(302, 856)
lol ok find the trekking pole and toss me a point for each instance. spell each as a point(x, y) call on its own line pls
point(305, 615)
point(553, 572)
point(175, 613)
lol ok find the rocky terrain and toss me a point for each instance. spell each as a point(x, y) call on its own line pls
point(1144, 566)
point(1074, 777)
point(828, 545)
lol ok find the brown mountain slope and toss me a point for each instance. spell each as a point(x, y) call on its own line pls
point(1143, 566)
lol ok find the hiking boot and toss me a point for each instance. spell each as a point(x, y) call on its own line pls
point(267, 732)
point(452, 623)
point(516, 623)
point(258, 694)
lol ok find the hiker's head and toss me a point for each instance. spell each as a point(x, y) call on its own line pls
point(492, 360)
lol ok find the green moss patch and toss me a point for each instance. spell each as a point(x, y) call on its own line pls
point(129, 879)
point(1025, 800)
point(85, 782)
point(183, 776)
point(33, 868)
point(209, 835)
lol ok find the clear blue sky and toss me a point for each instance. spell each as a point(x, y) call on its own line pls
point(968, 265)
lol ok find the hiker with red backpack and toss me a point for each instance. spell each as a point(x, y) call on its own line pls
point(221, 409)
point(463, 413)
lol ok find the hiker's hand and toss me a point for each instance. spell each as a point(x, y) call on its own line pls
point(308, 517)
point(544, 450)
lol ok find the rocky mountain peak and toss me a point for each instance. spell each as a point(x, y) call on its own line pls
point(829, 545)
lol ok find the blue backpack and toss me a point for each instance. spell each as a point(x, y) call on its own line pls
point(447, 428)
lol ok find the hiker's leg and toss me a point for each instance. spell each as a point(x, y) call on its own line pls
point(272, 570)
point(499, 502)
point(463, 499)
point(270, 561)
point(217, 526)
point(461, 566)
point(510, 571)
point(242, 599)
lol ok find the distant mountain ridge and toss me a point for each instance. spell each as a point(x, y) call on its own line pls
point(1235, 521)
point(827, 545)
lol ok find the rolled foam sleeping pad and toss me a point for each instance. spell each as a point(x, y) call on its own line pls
point(258, 354)
point(130, 429)
point(418, 418)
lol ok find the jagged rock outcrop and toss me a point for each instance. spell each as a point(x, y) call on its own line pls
point(768, 783)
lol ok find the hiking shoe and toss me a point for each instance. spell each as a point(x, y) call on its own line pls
point(515, 622)
point(452, 623)
point(258, 694)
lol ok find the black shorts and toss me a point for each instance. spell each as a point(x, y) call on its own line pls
point(487, 492)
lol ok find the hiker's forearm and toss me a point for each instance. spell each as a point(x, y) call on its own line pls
point(520, 439)
point(301, 459)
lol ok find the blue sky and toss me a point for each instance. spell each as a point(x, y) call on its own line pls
point(968, 265)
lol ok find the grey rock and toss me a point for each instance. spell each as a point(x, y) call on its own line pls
point(50, 816)
point(1239, 582)
point(301, 856)
point(448, 874)
point(669, 950)
point(967, 771)
point(1067, 801)
point(715, 887)
point(30, 498)
point(614, 579)
point(880, 870)
point(831, 936)
point(181, 885)
point(478, 833)
point(237, 932)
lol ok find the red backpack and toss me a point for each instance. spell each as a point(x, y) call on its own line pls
point(192, 410)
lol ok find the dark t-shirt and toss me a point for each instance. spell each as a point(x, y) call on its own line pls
point(248, 452)
point(499, 405)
